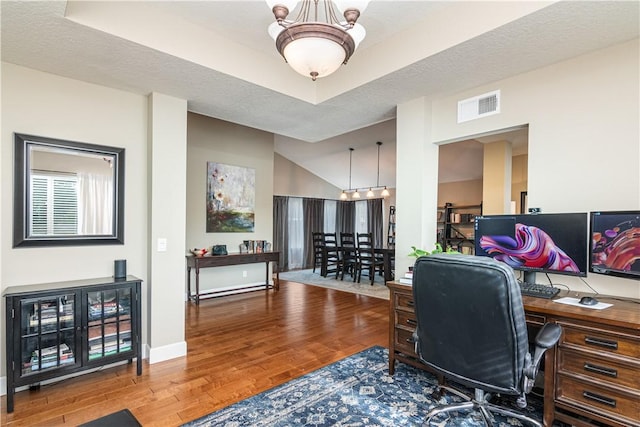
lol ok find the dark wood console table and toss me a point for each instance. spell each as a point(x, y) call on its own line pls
point(591, 375)
point(226, 260)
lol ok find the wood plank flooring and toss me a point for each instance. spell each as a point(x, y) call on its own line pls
point(237, 345)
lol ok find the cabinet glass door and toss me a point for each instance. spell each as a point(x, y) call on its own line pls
point(109, 317)
point(48, 333)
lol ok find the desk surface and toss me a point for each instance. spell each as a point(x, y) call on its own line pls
point(625, 312)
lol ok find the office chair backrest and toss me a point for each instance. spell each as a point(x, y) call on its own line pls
point(471, 325)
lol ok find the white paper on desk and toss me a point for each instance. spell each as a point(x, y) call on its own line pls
point(576, 302)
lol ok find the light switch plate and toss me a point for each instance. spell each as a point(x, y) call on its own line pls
point(162, 244)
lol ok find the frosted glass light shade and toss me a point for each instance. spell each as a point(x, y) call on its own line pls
point(274, 29)
point(315, 49)
point(312, 54)
point(357, 33)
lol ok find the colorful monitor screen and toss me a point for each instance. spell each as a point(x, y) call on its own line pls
point(545, 243)
point(615, 243)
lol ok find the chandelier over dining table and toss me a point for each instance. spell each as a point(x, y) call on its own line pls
point(355, 194)
point(316, 42)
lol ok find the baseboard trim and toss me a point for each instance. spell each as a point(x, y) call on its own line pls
point(167, 352)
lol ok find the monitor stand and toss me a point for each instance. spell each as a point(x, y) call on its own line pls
point(529, 277)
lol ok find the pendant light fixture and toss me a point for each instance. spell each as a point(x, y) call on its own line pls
point(344, 196)
point(385, 192)
point(317, 41)
point(355, 194)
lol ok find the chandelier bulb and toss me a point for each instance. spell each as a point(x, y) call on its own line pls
point(355, 195)
point(370, 193)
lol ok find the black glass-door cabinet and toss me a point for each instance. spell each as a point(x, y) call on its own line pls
point(56, 329)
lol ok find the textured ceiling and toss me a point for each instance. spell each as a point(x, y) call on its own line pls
point(217, 56)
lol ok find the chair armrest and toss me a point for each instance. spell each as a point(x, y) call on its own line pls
point(547, 337)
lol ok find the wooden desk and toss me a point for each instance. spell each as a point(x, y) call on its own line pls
point(593, 372)
point(226, 260)
point(387, 258)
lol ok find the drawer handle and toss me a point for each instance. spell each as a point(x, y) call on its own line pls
point(601, 370)
point(602, 343)
point(598, 398)
point(411, 322)
point(411, 340)
point(410, 303)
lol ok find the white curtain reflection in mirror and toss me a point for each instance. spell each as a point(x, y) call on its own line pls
point(95, 204)
point(72, 192)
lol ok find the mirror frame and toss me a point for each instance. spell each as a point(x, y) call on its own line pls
point(21, 184)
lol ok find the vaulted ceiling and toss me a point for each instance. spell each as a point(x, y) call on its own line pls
point(218, 56)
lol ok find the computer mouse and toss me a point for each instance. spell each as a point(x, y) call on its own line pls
point(588, 301)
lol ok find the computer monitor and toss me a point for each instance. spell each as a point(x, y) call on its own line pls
point(545, 243)
point(615, 243)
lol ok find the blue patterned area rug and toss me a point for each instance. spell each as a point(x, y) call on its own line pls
point(356, 391)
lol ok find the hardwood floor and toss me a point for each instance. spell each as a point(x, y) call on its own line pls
point(238, 346)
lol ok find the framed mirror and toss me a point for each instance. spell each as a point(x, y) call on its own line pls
point(67, 193)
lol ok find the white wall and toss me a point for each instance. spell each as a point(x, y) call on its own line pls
point(584, 151)
point(216, 140)
point(43, 104)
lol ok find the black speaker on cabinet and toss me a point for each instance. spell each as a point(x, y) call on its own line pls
point(120, 269)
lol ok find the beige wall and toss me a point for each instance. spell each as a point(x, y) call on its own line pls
point(289, 179)
point(216, 140)
point(579, 112)
point(43, 104)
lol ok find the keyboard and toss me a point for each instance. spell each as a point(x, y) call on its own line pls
point(538, 291)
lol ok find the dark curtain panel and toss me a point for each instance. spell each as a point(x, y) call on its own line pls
point(345, 216)
point(375, 218)
point(313, 221)
point(281, 229)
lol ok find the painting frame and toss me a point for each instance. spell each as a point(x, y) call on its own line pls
point(230, 198)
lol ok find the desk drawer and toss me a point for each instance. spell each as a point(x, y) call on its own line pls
point(406, 319)
point(600, 342)
point(600, 369)
point(404, 301)
point(601, 400)
point(404, 342)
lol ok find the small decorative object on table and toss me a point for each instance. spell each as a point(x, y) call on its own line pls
point(199, 252)
point(219, 250)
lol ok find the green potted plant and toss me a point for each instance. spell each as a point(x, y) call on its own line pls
point(417, 252)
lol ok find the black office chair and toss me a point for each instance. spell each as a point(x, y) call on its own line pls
point(471, 329)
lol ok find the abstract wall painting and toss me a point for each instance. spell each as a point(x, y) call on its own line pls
point(231, 198)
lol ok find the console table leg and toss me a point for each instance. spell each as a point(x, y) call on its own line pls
point(197, 297)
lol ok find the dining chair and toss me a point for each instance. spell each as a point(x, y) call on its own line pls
point(333, 260)
point(318, 242)
point(367, 258)
point(349, 255)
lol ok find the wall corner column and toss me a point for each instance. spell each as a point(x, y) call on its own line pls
point(416, 181)
point(167, 180)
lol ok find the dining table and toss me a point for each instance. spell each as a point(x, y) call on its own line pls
point(388, 255)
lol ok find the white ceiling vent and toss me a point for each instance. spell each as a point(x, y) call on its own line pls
point(479, 106)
